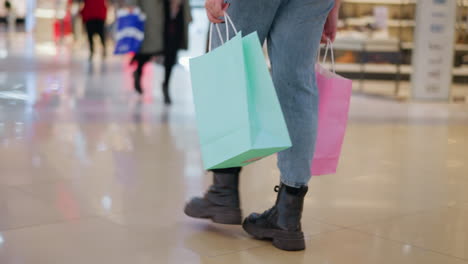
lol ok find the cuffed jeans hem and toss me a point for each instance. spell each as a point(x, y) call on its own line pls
point(291, 183)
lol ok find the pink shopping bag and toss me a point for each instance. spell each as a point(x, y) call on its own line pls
point(334, 99)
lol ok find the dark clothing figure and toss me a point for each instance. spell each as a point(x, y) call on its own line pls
point(174, 36)
point(94, 14)
point(96, 27)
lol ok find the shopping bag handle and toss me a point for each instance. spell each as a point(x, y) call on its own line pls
point(228, 21)
point(329, 46)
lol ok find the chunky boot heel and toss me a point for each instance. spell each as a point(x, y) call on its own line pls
point(227, 217)
point(289, 242)
point(281, 223)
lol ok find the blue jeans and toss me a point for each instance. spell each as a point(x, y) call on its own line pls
point(293, 29)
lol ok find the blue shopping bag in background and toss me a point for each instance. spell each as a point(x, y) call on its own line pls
point(130, 30)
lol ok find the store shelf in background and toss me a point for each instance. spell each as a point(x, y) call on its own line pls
point(383, 45)
point(462, 24)
point(381, 2)
point(461, 47)
point(363, 21)
point(384, 68)
point(458, 47)
point(461, 71)
point(377, 45)
point(370, 68)
point(459, 92)
point(407, 45)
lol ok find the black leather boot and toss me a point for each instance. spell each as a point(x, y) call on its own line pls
point(282, 223)
point(221, 203)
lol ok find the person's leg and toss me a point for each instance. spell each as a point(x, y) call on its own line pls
point(173, 39)
point(170, 60)
point(141, 60)
point(221, 202)
point(293, 43)
point(90, 33)
point(170, 49)
point(101, 31)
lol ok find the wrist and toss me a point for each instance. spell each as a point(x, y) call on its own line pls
point(337, 5)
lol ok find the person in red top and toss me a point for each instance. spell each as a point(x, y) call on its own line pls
point(94, 14)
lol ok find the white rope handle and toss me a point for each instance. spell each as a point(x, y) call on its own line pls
point(329, 47)
point(227, 22)
point(211, 35)
point(228, 18)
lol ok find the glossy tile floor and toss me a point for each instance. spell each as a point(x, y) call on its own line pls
point(91, 174)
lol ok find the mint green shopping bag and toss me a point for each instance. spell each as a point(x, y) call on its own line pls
point(238, 115)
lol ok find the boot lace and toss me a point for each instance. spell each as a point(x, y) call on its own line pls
point(270, 213)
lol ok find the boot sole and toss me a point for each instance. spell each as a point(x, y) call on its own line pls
point(219, 215)
point(288, 241)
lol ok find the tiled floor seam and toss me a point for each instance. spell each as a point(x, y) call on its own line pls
point(234, 252)
point(49, 203)
point(380, 220)
point(200, 255)
point(49, 224)
point(391, 218)
point(405, 243)
point(31, 195)
point(307, 238)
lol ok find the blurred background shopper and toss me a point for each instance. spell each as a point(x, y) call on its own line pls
point(94, 14)
point(166, 32)
point(10, 16)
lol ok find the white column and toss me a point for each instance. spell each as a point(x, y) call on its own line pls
point(433, 51)
point(30, 15)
